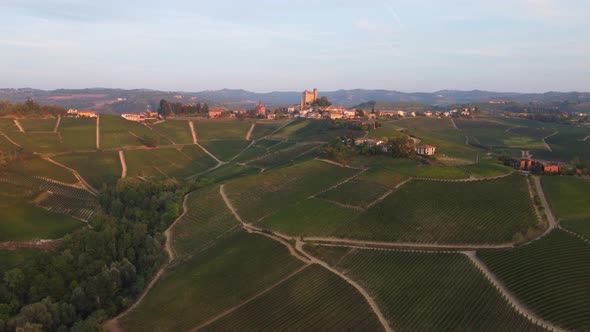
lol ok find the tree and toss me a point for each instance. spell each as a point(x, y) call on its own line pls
point(401, 146)
point(338, 151)
point(322, 102)
point(165, 108)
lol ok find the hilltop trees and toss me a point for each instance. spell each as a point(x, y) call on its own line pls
point(29, 108)
point(167, 108)
point(321, 102)
point(401, 146)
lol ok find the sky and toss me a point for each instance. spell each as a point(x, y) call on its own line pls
point(281, 45)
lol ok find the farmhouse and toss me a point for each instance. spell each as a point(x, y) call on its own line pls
point(551, 168)
point(131, 116)
point(425, 150)
point(216, 113)
point(526, 164)
point(87, 114)
point(72, 112)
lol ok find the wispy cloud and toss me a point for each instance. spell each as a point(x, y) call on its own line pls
point(32, 44)
point(365, 24)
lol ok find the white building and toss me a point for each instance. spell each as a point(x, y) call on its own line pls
point(425, 150)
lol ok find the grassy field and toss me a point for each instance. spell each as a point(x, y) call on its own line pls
point(36, 166)
point(96, 168)
point(221, 129)
point(20, 221)
point(38, 125)
point(568, 197)
point(313, 300)
point(225, 149)
point(215, 280)
point(207, 219)
point(550, 276)
point(264, 128)
point(174, 132)
point(427, 292)
point(167, 162)
point(117, 132)
point(260, 195)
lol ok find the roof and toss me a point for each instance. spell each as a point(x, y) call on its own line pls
point(426, 146)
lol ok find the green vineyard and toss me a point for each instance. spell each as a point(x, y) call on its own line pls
point(550, 276)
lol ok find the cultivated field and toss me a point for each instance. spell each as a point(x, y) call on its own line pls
point(38, 125)
point(281, 157)
point(96, 168)
point(117, 132)
point(78, 134)
point(308, 130)
point(221, 129)
point(225, 149)
point(568, 197)
point(215, 280)
point(313, 300)
point(264, 128)
point(174, 132)
point(427, 291)
point(550, 276)
point(169, 162)
point(36, 166)
point(208, 219)
point(256, 196)
point(491, 135)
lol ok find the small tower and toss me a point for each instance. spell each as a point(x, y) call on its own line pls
point(315, 94)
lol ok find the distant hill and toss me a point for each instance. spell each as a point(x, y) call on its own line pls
point(119, 100)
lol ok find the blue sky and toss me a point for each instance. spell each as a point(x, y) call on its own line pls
point(279, 45)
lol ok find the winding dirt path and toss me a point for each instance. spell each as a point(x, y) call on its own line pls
point(553, 223)
point(86, 185)
point(229, 311)
point(210, 154)
point(10, 139)
point(547, 146)
point(412, 245)
point(514, 302)
point(193, 132)
point(250, 131)
point(454, 124)
point(585, 138)
point(123, 164)
point(57, 123)
point(18, 125)
point(98, 132)
point(113, 324)
point(335, 163)
point(339, 183)
point(299, 252)
point(389, 192)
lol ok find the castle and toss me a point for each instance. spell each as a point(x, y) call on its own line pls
point(308, 98)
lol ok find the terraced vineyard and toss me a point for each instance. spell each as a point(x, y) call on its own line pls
point(208, 219)
point(215, 280)
point(221, 129)
point(96, 168)
point(38, 125)
point(37, 167)
point(225, 149)
point(116, 132)
point(78, 134)
point(264, 128)
point(494, 134)
point(167, 162)
point(427, 291)
point(174, 132)
point(568, 197)
point(550, 276)
point(313, 300)
point(284, 156)
point(256, 196)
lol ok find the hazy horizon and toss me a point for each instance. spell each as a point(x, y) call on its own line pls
point(526, 46)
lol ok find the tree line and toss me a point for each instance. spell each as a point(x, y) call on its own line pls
point(97, 271)
point(167, 108)
point(29, 108)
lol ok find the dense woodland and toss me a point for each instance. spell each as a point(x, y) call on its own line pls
point(29, 108)
point(97, 271)
point(167, 108)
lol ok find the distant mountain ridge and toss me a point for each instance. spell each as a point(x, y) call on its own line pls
point(120, 100)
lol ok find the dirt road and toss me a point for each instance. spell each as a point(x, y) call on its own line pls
point(193, 132)
point(250, 131)
point(20, 128)
point(98, 132)
point(57, 123)
point(553, 223)
point(87, 186)
point(123, 164)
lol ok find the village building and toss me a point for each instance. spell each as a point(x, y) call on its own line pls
point(526, 164)
point(551, 168)
point(261, 109)
point(428, 113)
point(216, 113)
point(132, 117)
point(72, 112)
point(335, 115)
point(425, 150)
point(87, 114)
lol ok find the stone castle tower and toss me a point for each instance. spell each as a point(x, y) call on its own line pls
point(308, 98)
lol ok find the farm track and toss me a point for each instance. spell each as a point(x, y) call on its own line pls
point(547, 146)
point(113, 324)
point(219, 162)
point(389, 192)
point(339, 183)
point(470, 179)
point(553, 222)
point(18, 125)
point(10, 140)
point(256, 296)
point(123, 164)
point(250, 131)
point(98, 132)
point(86, 185)
point(35, 244)
point(57, 123)
point(404, 245)
point(513, 300)
point(193, 132)
point(454, 124)
point(335, 163)
point(585, 138)
point(298, 252)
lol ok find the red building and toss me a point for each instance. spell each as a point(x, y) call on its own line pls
point(526, 164)
point(261, 109)
point(551, 168)
point(216, 112)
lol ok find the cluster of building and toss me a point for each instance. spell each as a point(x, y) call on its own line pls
point(422, 150)
point(548, 167)
point(139, 117)
point(81, 114)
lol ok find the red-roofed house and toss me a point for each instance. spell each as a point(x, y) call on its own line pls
point(425, 150)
